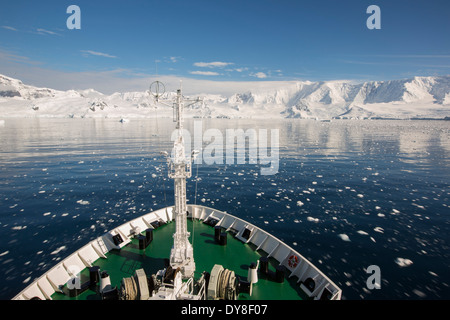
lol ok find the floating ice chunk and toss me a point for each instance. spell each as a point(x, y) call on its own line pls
point(378, 229)
point(359, 195)
point(296, 221)
point(26, 280)
point(312, 219)
point(153, 175)
point(83, 202)
point(64, 214)
point(47, 213)
point(419, 293)
point(402, 262)
point(58, 250)
point(344, 237)
point(362, 232)
point(19, 227)
point(299, 203)
point(395, 211)
point(4, 253)
point(418, 206)
point(380, 215)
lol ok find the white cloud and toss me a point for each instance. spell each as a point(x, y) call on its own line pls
point(32, 72)
point(215, 64)
point(170, 59)
point(237, 69)
point(205, 73)
point(13, 57)
point(9, 28)
point(122, 80)
point(95, 53)
point(46, 32)
point(260, 75)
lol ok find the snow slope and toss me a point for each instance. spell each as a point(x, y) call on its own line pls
point(419, 97)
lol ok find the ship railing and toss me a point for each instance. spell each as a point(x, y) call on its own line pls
point(286, 256)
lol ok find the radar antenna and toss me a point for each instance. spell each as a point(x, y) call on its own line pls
point(157, 89)
point(182, 253)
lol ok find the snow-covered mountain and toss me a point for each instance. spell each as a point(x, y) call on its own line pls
point(419, 97)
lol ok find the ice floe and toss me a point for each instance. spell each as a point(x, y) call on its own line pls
point(344, 237)
point(378, 229)
point(58, 250)
point(19, 227)
point(402, 262)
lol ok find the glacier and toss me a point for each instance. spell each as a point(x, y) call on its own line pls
point(414, 98)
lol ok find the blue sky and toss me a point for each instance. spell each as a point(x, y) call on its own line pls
point(245, 40)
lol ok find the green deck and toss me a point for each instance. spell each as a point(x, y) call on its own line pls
point(236, 256)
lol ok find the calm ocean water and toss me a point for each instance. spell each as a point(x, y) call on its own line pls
point(348, 194)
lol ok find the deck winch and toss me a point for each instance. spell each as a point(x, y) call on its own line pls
point(222, 284)
point(136, 287)
point(225, 285)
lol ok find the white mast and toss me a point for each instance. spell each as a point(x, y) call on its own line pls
point(182, 253)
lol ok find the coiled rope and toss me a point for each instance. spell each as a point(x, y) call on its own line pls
point(225, 286)
point(128, 289)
